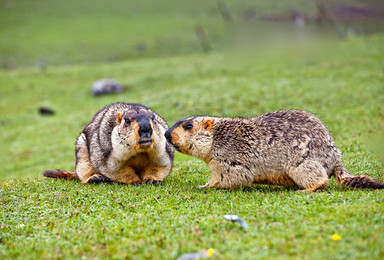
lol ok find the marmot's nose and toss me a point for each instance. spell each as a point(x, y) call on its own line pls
point(168, 135)
point(145, 130)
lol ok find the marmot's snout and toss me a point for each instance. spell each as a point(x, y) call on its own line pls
point(168, 136)
point(145, 130)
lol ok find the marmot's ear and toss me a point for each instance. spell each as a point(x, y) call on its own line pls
point(207, 124)
point(119, 118)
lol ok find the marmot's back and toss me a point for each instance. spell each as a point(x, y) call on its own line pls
point(278, 140)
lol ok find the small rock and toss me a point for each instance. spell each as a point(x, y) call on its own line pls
point(299, 20)
point(235, 218)
point(106, 86)
point(46, 111)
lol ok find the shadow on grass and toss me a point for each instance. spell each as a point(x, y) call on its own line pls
point(269, 188)
point(281, 189)
point(254, 188)
point(169, 185)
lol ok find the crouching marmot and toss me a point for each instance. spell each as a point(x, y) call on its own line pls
point(289, 148)
point(123, 143)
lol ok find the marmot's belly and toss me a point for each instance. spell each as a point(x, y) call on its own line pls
point(276, 178)
point(138, 162)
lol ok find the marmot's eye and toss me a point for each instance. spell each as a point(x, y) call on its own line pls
point(127, 122)
point(188, 127)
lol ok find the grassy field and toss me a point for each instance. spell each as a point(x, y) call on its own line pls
point(45, 218)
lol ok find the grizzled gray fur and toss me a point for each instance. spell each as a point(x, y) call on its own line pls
point(289, 148)
point(123, 143)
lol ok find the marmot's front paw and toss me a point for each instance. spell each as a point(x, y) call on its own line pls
point(151, 182)
point(201, 187)
point(97, 178)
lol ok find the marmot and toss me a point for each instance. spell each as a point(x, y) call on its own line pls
point(289, 148)
point(123, 143)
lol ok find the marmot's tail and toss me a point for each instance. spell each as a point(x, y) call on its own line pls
point(343, 177)
point(60, 174)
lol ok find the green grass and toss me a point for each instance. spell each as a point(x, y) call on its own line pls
point(57, 219)
point(65, 219)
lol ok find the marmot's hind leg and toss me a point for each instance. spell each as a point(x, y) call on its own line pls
point(310, 176)
point(84, 168)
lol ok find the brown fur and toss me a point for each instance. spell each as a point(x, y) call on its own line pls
point(123, 143)
point(60, 174)
point(289, 148)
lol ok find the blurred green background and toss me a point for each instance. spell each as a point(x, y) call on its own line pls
point(50, 32)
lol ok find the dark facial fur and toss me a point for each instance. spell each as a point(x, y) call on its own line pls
point(142, 124)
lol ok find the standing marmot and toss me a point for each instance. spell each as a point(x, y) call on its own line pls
point(289, 148)
point(124, 143)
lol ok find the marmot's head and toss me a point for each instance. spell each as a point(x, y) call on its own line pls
point(135, 129)
point(193, 136)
